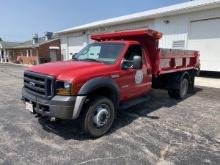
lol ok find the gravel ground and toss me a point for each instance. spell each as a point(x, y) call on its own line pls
point(160, 131)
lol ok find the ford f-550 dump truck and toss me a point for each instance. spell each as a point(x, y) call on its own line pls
point(116, 69)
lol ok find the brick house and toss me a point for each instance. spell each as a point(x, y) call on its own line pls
point(4, 46)
point(36, 51)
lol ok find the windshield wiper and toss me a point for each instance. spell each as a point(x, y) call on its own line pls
point(91, 59)
point(74, 58)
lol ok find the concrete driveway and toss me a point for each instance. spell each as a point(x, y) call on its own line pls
point(161, 131)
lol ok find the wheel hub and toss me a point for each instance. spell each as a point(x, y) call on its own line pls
point(101, 116)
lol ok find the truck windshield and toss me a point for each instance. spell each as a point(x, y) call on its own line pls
point(100, 52)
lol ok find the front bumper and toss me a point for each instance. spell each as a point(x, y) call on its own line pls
point(62, 107)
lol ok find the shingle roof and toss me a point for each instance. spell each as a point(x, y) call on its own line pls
point(5, 44)
point(195, 5)
point(29, 43)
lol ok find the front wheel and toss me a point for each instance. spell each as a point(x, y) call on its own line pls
point(98, 116)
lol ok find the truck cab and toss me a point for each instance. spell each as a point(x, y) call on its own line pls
point(117, 68)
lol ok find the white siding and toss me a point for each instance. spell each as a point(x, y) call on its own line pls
point(179, 26)
point(132, 25)
point(64, 47)
point(75, 44)
point(72, 43)
point(121, 27)
point(199, 30)
point(205, 35)
point(175, 28)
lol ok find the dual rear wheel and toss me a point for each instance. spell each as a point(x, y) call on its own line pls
point(182, 91)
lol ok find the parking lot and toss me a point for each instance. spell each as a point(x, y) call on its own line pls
point(160, 131)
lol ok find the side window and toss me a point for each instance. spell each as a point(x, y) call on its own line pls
point(134, 50)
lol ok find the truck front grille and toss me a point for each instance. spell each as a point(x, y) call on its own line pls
point(39, 85)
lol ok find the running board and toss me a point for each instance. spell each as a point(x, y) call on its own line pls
point(133, 102)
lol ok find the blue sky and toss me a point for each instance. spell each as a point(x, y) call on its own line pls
point(19, 19)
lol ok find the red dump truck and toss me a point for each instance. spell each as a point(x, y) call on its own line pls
point(113, 72)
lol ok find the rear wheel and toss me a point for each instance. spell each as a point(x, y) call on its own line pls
point(98, 116)
point(184, 86)
point(192, 84)
point(171, 93)
point(180, 93)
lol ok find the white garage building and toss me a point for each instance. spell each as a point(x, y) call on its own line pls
point(193, 25)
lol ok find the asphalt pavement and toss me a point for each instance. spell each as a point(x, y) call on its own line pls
point(160, 131)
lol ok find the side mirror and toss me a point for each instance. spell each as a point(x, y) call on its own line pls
point(74, 56)
point(137, 62)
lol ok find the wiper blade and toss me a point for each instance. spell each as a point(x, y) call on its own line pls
point(91, 59)
point(74, 58)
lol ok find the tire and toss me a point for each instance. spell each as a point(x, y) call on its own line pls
point(98, 116)
point(183, 90)
point(192, 84)
point(171, 93)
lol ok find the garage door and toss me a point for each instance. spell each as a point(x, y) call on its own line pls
point(204, 36)
point(75, 44)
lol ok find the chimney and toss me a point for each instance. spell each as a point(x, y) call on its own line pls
point(35, 38)
point(48, 35)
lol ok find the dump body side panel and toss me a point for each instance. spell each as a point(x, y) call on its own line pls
point(171, 60)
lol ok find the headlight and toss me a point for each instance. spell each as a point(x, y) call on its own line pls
point(63, 88)
point(67, 85)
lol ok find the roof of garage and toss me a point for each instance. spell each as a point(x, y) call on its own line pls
point(191, 6)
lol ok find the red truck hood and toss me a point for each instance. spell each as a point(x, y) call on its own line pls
point(68, 70)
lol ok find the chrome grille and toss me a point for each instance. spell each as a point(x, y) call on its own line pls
point(39, 85)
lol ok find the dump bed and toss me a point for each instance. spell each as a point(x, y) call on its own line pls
point(162, 60)
point(172, 60)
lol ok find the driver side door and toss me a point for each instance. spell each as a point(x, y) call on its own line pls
point(135, 82)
